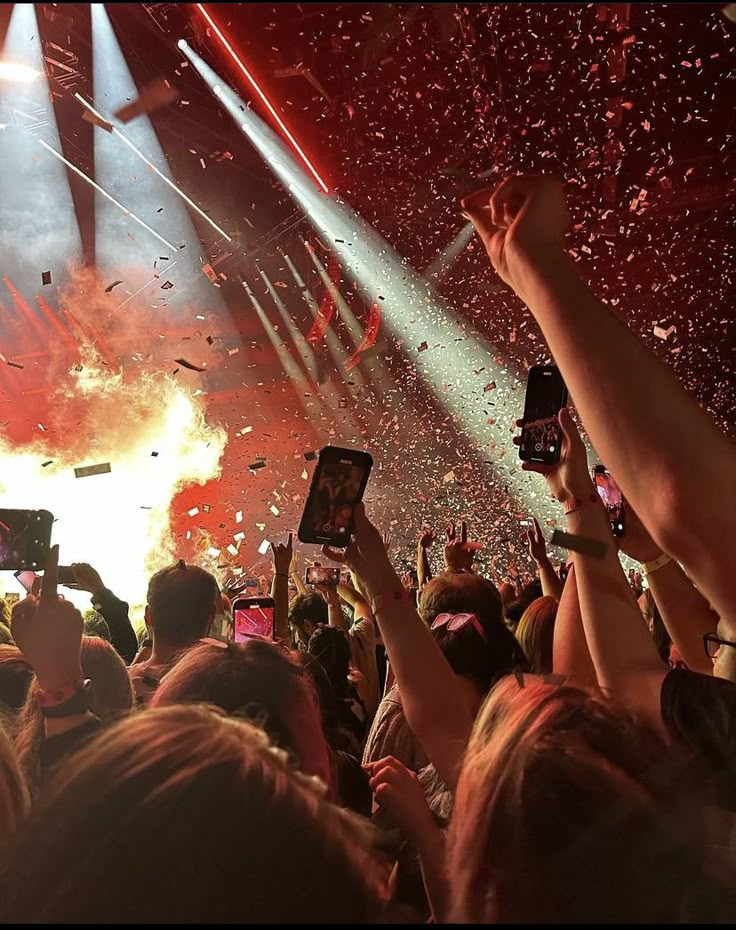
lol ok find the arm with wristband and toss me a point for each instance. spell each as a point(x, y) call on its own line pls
point(435, 706)
point(624, 656)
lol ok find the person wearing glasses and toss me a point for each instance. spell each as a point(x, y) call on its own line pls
point(720, 647)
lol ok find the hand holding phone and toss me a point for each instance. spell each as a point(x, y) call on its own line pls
point(322, 575)
point(253, 616)
point(338, 484)
point(546, 395)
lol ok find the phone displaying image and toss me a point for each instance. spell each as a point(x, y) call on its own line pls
point(338, 484)
point(541, 435)
point(25, 539)
point(67, 576)
point(26, 578)
point(613, 500)
point(253, 616)
point(322, 574)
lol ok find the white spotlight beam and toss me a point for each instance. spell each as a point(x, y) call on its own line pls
point(465, 373)
point(105, 194)
point(338, 353)
point(178, 190)
point(441, 265)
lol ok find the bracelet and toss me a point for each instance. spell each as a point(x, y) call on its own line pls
point(648, 567)
point(74, 703)
point(575, 503)
point(395, 596)
point(59, 695)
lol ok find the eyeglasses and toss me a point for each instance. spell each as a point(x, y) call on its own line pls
point(455, 622)
point(713, 643)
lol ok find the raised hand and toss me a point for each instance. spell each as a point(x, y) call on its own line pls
point(536, 543)
point(48, 631)
point(570, 477)
point(282, 554)
point(526, 214)
point(398, 792)
point(426, 537)
point(459, 553)
point(88, 578)
point(366, 556)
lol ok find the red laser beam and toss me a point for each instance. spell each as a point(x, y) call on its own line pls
point(267, 103)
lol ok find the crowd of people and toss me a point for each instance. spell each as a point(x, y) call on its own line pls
point(438, 746)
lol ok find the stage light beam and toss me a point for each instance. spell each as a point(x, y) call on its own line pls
point(266, 102)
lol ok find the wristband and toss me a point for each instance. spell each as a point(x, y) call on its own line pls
point(387, 597)
point(648, 567)
point(68, 701)
point(575, 503)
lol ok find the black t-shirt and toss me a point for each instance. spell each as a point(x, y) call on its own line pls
point(700, 711)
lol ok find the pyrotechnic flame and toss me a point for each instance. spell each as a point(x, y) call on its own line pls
point(100, 415)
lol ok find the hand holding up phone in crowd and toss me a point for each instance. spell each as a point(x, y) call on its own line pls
point(569, 478)
point(48, 631)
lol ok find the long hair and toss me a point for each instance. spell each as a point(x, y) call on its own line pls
point(183, 815)
point(260, 682)
point(535, 634)
point(112, 697)
point(14, 798)
point(568, 811)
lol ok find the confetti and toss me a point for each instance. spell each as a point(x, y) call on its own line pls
point(185, 364)
point(86, 471)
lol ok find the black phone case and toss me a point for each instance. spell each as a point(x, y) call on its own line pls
point(304, 533)
point(546, 458)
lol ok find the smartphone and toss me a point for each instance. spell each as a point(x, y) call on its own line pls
point(67, 576)
point(613, 500)
point(25, 539)
point(253, 616)
point(26, 578)
point(322, 574)
point(541, 435)
point(338, 484)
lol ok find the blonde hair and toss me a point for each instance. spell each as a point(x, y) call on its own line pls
point(209, 824)
point(566, 811)
point(14, 799)
point(535, 634)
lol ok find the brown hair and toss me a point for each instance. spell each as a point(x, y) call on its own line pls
point(261, 682)
point(15, 678)
point(181, 600)
point(182, 815)
point(112, 697)
point(481, 659)
point(535, 633)
point(566, 811)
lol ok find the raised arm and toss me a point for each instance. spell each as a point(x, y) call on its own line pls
point(281, 555)
point(685, 612)
point(624, 656)
point(570, 653)
point(551, 581)
point(115, 611)
point(668, 456)
point(424, 571)
point(435, 705)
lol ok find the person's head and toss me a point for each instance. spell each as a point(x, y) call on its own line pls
point(4, 612)
point(507, 593)
point(535, 634)
point(180, 605)
point(567, 811)
point(111, 698)
point(14, 800)
point(209, 823)
point(306, 613)
point(515, 610)
point(480, 658)
point(724, 660)
point(260, 682)
point(15, 679)
point(331, 648)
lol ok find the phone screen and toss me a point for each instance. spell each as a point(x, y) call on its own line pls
point(253, 617)
point(322, 574)
point(26, 578)
point(25, 538)
point(337, 486)
point(546, 395)
point(613, 500)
